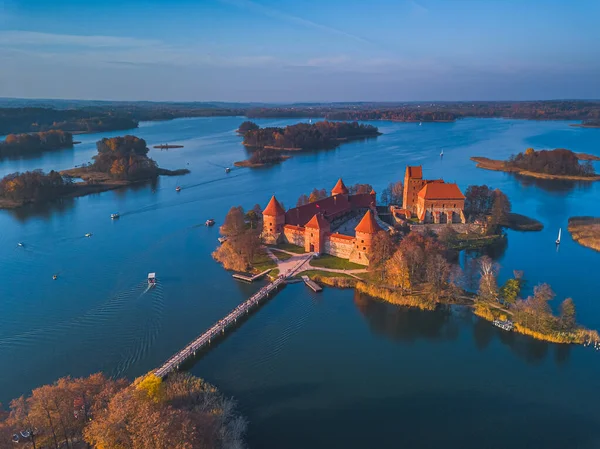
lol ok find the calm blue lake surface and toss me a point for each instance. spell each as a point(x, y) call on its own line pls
point(330, 370)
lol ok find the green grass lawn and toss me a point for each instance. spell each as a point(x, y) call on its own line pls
point(263, 262)
point(327, 261)
point(323, 274)
point(281, 255)
point(291, 248)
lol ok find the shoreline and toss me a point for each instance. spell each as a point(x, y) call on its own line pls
point(585, 231)
point(100, 182)
point(246, 163)
point(498, 165)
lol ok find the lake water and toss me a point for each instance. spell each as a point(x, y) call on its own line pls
point(330, 370)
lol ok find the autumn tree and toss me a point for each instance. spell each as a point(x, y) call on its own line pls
point(488, 287)
point(382, 248)
point(567, 314)
point(392, 194)
point(234, 224)
point(397, 272)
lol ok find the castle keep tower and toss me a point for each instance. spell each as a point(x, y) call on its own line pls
point(413, 182)
point(273, 221)
point(366, 229)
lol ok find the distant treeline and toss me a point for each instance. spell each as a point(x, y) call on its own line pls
point(431, 112)
point(306, 136)
point(553, 162)
point(26, 144)
point(22, 120)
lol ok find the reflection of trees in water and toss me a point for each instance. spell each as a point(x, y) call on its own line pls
point(526, 348)
point(399, 323)
point(42, 210)
point(153, 183)
point(559, 186)
point(406, 324)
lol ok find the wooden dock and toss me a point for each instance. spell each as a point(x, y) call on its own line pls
point(312, 284)
point(248, 278)
point(221, 326)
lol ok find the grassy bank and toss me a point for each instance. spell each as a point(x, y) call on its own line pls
point(472, 241)
point(395, 297)
point(289, 247)
point(585, 231)
point(338, 280)
point(280, 254)
point(336, 263)
point(518, 222)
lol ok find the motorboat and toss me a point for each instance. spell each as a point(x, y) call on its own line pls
point(54, 277)
point(420, 123)
point(20, 244)
point(506, 325)
point(227, 169)
point(178, 189)
point(222, 239)
point(15, 438)
point(114, 216)
point(558, 238)
point(210, 222)
point(89, 234)
point(25, 433)
point(151, 279)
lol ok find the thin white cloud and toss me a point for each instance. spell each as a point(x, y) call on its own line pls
point(279, 15)
point(34, 38)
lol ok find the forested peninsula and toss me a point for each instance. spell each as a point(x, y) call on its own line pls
point(558, 164)
point(23, 145)
point(120, 161)
point(267, 144)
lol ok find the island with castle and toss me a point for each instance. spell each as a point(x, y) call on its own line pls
point(317, 226)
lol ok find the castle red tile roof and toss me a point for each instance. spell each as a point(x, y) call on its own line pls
point(415, 171)
point(293, 227)
point(335, 235)
point(317, 222)
point(441, 191)
point(273, 208)
point(368, 224)
point(331, 207)
point(339, 188)
point(372, 192)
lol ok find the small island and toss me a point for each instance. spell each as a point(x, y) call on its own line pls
point(23, 145)
point(585, 231)
point(267, 143)
point(558, 164)
point(120, 161)
point(595, 123)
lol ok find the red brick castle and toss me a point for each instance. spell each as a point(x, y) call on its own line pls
point(310, 225)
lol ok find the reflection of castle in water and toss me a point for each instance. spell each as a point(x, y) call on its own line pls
point(408, 325)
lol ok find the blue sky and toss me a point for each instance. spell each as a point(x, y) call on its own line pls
point(300, 50)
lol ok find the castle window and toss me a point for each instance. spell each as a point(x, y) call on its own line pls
point(362, 241)
point(364, 249)
point(311, 234)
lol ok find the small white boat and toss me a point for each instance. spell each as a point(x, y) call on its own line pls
point(54, 277)
point(222, 239)
point(558, 239)
point(25, 433)
point(15, 438)
point(151, 279)
point(227, 169)
point(178, 189)
point(114, 216)
point(420, 123)
point(89, 234)
point(442, 153)
point(210, 222)
point(20, 244)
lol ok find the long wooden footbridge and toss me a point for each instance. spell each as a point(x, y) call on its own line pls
point(224, 324)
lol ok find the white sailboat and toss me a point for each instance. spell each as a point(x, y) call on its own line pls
point(558, 239)
point(442, 153)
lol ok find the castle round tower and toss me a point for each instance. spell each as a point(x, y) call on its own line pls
point(273, 221)
point(339, 188)
point(365, 231)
